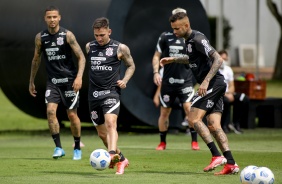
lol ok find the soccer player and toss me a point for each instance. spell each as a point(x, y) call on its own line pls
point(105, 84)
point(175, 82)
point(204, 62)
point(64, 79)
point(240, 101)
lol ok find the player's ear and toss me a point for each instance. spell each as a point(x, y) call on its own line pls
point(110, 31)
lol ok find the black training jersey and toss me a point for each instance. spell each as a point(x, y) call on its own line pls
point(175, 74)
point(58, 56)
point(104, 70)
point(198, 50)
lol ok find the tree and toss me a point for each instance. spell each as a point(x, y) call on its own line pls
point(278, 64)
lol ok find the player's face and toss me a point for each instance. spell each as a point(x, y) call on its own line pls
point(52, 18)
point(180, 28)
point(102, 35)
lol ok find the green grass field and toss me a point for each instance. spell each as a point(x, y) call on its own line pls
point(27, 148)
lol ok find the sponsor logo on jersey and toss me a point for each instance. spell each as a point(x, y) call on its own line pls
point(100, 54)
point(94, 115)
point(171, 80)
point(166, 98)
point(62, 33)
point(60, 41)
point(45, 34)
point(206, 46)
point(52, 54)
point(113, 45)
point(210, 104)
point(100, 93)
point(58, 81)
point(193, 65)
point(109, 51)
point(96, 64)
point(178, 42)
point(47, 93)
point(70, 93)
point(53, 44)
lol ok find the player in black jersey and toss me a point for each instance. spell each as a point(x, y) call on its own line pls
point(105, 83)
point(205, 62)
point(176, 82)
point(64, 80)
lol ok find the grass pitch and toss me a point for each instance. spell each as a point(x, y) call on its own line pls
point(27, 148)
point(27, 158)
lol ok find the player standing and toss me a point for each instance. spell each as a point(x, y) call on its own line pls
point(64, 80)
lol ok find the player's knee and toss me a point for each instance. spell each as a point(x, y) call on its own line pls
point(51, 113)
point(72, 116)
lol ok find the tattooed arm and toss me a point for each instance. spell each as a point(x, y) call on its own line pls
point(81, 60)
point(35, 64)
point(181, 60)
point(217, 61)
point(123, 53)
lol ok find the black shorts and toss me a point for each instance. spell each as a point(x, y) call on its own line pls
point(212, 102)
point(106, 104)
point(64, 94)
point(168, 95)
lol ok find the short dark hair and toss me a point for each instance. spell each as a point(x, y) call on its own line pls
point(101, 22)
point(223, 52)
point(177, 16)
point(52, 8)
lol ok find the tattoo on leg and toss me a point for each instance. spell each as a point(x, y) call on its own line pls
point(203, 131)
point(221, 139)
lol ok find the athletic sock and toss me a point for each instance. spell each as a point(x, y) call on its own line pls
point(213, 149)
point(122, 158)
point(112, 152)
point(76, 142)
point(229, 157)
point(163, 136)
point(193, 135)
point(57, 141)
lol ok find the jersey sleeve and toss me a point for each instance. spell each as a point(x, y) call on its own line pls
point(161, 45)
point(203, 45)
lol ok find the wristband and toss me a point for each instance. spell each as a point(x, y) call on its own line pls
point(155, 73)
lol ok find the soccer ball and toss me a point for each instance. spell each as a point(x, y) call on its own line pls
point(100, 159)
point(246, 173)
point(262, 175)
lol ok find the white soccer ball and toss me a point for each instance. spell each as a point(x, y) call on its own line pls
point(246, 174)
point(262, 175)
point(100, 159)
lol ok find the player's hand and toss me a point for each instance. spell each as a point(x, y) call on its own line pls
point(202, 91)
point(157, 79)
point(166, 60)
point(121, 84)
point(32, 90)
point(77, 84)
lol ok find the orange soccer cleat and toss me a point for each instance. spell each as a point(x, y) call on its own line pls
point(195, 145)
point(161, 146)
point(229, 169)
point(216, 161)
point(121, 165)
point(114, 159)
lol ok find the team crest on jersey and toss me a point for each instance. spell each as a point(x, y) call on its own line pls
point(109, 51)
point(94, 115)
point(210, 104)
point(60, 41)
point(166, 98)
